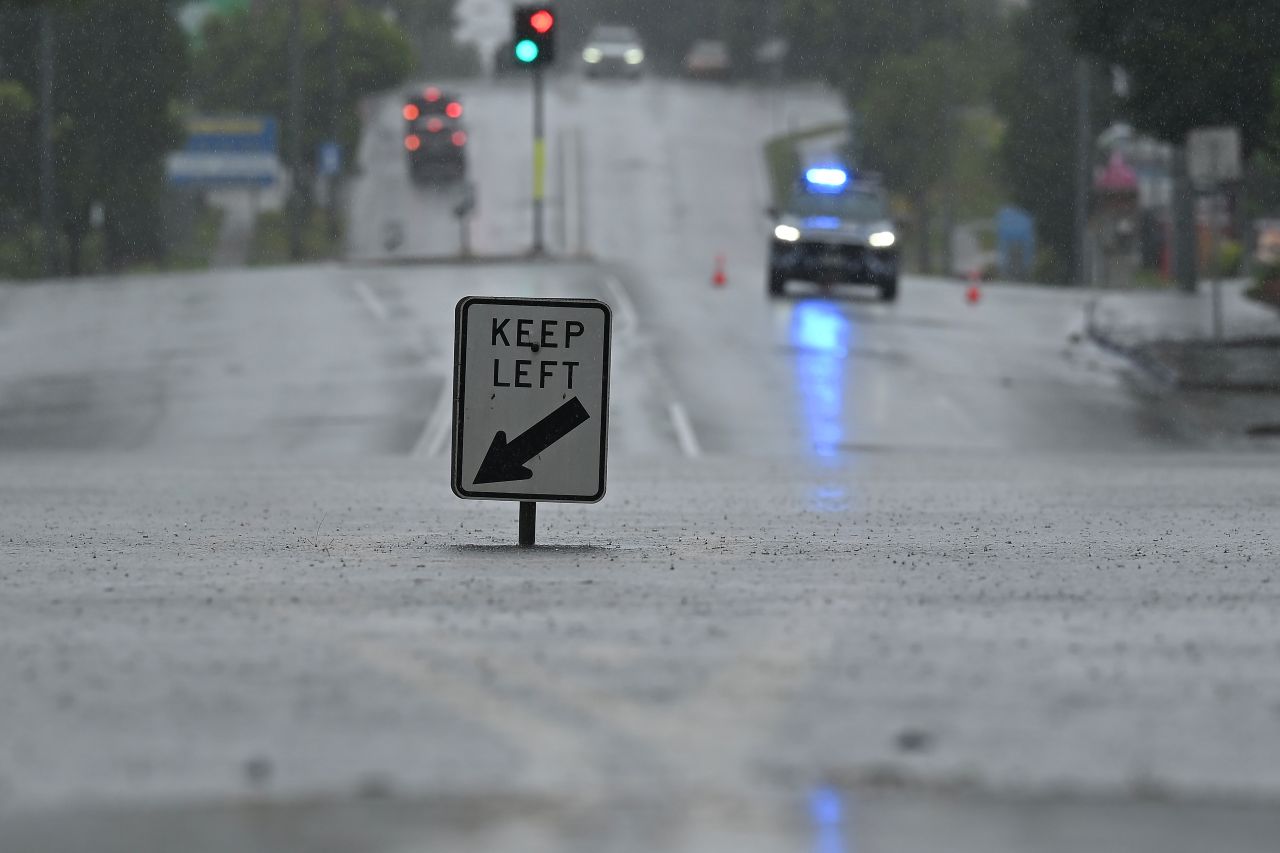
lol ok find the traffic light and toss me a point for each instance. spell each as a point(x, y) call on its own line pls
point(535, 35)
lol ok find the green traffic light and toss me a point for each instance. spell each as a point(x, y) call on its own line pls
point(526, 50)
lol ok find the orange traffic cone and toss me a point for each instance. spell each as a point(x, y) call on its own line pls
point(718, 277)
point(973, 294)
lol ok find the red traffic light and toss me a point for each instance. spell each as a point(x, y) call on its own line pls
point(542, 21)
point(412, 142)
point(454, 110)
point(432, 94)
point(434, 125)
point(459, 138)
point(533, 39)
point(410, 112)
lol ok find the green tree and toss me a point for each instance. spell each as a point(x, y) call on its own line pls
point(430, 24)
point(909, 105)
point(1037, 98)
point(120, 64)
point(17, 135)
point(243, 67)
point(843, 41)
point(1190, 63)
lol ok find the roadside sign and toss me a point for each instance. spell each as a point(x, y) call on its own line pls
point(530, 399)
point(227, 151)
point(232, 133)
point(208, 170)
point(1213, 156)
point(329, 158)
point(1267, 241)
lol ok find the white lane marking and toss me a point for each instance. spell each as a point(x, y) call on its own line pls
point(436, 433)
point(372, 303)
point(623, 308)
point(687, 438)
point(624, 311)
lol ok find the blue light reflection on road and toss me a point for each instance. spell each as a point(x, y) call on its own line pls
point(828, 815)
point(819, 334)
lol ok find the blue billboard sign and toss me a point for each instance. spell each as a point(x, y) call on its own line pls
point(227, 151)
point(225, 134)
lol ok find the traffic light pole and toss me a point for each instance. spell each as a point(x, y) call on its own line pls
point(539, 162)
point(49, 231)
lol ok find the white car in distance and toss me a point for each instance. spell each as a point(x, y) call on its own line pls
point(613, 51)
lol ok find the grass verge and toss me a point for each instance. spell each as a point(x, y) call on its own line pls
point(270, 244)
point(195, 250)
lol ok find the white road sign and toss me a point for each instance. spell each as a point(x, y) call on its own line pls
point(1213, 155)
point(530, 399)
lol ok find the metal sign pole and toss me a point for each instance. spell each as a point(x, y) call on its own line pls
point(528, 517)
point(539, 161)
point(1215, 286)
point(1215, 282)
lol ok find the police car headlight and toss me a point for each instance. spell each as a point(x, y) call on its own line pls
point(788, 233)
point(634, 56)
point(592, 55)
point(881, 239)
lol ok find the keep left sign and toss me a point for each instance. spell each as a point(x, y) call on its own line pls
point(530, 398)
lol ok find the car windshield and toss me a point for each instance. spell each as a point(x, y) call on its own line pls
point(856, 205)
point(712, 50)
point(614, 35)
point(448, 425)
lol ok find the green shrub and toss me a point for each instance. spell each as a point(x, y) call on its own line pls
point(1230, 258)
point(21, 254)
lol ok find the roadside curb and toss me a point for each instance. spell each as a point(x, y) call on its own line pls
point(1154, 369)
point(1145, 356)
point(467, 260)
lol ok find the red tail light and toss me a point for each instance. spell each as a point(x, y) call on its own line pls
point(459, 138)
point(434, 125)
point(454, 110)
point(412, 142)
point(410, 112)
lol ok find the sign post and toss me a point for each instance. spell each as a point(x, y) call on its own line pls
point(530, 401)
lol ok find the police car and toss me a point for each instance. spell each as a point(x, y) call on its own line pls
point(834, 228)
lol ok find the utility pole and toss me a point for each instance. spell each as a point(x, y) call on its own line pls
point(48, 198)
point(296, 177)
point(1084, 167)
point(335, 110)
point(1184, 222)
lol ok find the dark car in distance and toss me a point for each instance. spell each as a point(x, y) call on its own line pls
point(435, 139)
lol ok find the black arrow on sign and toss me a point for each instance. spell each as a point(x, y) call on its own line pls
point(505, 461)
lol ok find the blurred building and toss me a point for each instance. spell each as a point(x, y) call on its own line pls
point(1131, 217)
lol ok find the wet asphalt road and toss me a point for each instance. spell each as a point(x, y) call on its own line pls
point(868, 577)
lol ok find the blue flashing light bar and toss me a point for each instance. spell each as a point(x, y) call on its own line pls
point(826, 178)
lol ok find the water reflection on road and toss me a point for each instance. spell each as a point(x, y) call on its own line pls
point(819, 334)
point(827, 814)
